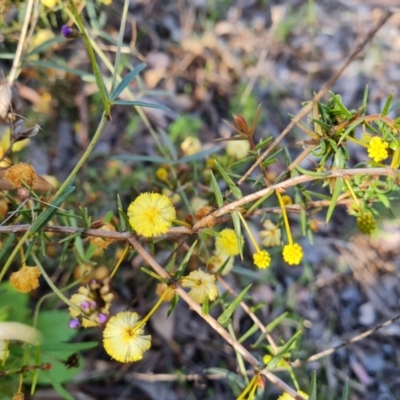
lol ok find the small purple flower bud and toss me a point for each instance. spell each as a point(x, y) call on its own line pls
point(74, 323)
point(67, 31)
point(85, 305)
point(102, 318)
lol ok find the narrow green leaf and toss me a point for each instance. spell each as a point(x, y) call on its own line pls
point(349, 130)
point(46, 215)
point(283, 350)
point(46, 45)
point(217, 192)
point(181, 269)
point(153, 274)
point(249, 333)
point(232, 186)
point(173, 304)
point(345, 395)
point(365, 100)
point(59, 388)
point(122, 216)
point(313, 387)
point(6, 245)
point(225, 317)
point(259, 201)
point(136, 103)
point(340, 105)
point(336, 193)
point(168, 142)
point(206, 306)
point(311, 173)
point(386, 107)
point(127, 80)
point(119, 43)
point(271, 326)
point(238, 231)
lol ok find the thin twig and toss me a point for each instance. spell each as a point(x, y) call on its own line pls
point(357, 338)
point(309, 106)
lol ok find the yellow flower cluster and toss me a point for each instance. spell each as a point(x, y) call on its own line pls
point(227, 246)
point(366, 223)
point(201, 284)
point(228, 243)
point(262, 259)
point(377, 149)
point(292, 254)
point(151, 214)
point(26, 279)
point(287, 396)
point(271, 236)
point(123, 337)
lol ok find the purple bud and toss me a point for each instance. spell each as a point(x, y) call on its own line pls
point(74, 323)
point(94, 303)
point(102, 318)
point(67, 31)
point(85, 305)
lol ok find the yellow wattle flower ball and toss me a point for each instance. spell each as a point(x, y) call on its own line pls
point(26, 279)
point(262, 259)
point(21, 173)
point(151, 214)
point(123, 337)
point(377, 149)
point(366, 223)
point(228, 243)
point(201, 284)
point(293, 254)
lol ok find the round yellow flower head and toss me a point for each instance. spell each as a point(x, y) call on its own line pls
point(215, 263)
point(26, 279)
point(103, 243)
point(162, 174)
point(366, 223)
point(123, 337)
point(292, 254)
point(201, 285)
point(228, 243)
point(262, 259)
point(151, 214)
point(377, 149)
point(287, 396)
point(271, 236)
point(238, 148)
point(19, 173)
point(191, 145)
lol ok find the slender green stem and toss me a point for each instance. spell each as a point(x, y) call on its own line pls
point(53, 287)
point(359, 142)
point(120, 41)
point(14, 254)
point(84, 157)
point(153, 310)
point(285, 218)
point(253, 240)
point(89, 48)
